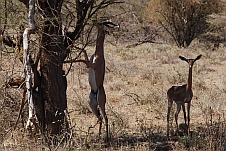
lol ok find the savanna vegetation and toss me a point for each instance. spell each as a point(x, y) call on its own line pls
point(141, 65)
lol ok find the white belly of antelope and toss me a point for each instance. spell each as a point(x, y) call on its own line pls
point(92, 78)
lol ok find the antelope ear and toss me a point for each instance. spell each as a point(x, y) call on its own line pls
point(198, 57)
point(110, 24)
point(183, 58)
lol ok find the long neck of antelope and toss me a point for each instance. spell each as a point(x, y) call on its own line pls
point(100, 43)
point(189, 85)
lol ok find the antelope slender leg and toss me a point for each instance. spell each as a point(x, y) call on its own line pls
point(188, 108)
point(183, 108)
point(101, 98)
point(94, 106)
point(185, 120)
point(100, 122)
point(176, 116)
point(170, 103)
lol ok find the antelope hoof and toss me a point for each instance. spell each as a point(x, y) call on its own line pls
point(30, 126)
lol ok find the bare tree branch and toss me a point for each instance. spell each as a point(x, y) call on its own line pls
point(85, 11)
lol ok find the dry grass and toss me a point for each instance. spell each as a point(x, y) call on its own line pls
point(136, 83)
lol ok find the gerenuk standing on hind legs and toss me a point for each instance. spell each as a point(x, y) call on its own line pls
point(96, 64)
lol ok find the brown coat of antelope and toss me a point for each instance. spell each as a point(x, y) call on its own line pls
point(181, 95)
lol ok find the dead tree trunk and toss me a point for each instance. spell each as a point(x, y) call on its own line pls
point(53, 82)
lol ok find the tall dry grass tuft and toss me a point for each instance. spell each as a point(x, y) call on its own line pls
point(208, 136)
